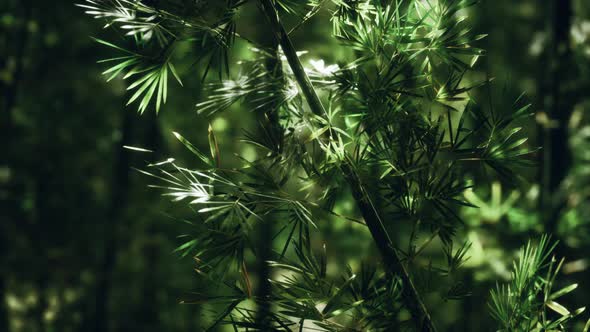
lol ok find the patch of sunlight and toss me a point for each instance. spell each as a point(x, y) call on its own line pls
point(249, 153)
point(220, 125)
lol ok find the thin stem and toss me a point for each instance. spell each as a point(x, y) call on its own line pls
point(391, 258)
point(392, 261)
point(283, 38)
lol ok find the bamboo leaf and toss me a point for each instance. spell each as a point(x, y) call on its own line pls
point(563, 291)
point(173, 70)
point(192, 148)
point(558, 308)
point(214, 147)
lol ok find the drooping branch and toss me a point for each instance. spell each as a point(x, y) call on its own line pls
point(393, 263)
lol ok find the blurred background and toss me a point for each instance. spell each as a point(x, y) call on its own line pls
point(86, 246)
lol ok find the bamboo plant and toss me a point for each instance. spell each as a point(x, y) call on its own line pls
point(391, 124)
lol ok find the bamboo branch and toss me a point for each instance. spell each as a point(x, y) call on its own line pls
point(283, 38)
point(394, 266)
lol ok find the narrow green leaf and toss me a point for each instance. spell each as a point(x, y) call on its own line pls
point(148, 96)
point(558, 308)
point(160, 89)
point(192, 148)
point(165, 80)
point(214, 147)
point(185, 246)
point(173, 70)
point(136, 148)
point(563, 291)
point(123, 64)
point(104, 42)
point(144, 87)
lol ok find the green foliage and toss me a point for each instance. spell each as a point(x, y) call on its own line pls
point(527, 303)
point(151, 77)
point(156, 33)
point(401, 136)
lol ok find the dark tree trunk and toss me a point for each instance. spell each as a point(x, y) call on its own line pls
point(44, 217)
point(556, 154)
point(266, 229)
point(4, 322)
point(114, 217)
point(42, 300)
point(11, 89)
point(148, 317)
point(7, 136)
point(149, 312)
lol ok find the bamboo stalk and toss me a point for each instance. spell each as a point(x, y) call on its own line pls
point(270, 119)
point(393, 263)
point(557, 158)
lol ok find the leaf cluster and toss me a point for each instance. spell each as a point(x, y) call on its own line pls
point(401, 132)
point(528, 302)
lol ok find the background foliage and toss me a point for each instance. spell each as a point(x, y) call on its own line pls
point(80, 233)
